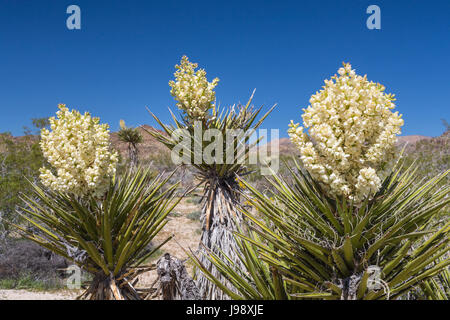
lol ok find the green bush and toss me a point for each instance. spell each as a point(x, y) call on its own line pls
point(194, 215)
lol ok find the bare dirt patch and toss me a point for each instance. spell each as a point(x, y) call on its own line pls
point(38, 295)
point(186, 235)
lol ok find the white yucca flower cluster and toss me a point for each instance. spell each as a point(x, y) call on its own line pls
point(195, 95)
point(78, 148)
point(351, 136)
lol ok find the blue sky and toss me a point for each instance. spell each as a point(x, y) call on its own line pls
point(124, 55)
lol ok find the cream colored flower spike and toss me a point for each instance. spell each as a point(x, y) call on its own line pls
point(78, 148)
point(351, 136)
point(195, 95)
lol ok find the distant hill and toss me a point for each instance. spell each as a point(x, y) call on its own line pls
point(432, 155)
point(150, 148)
point(26, 139)
point(286, 147)
point(411, 139)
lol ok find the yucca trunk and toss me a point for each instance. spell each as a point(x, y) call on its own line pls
point(133, 154)
point(349, 286)
point(175, 283)
point(220, 219)
point(105, 287)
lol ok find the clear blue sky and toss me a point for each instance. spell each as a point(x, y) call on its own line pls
point(124, 55)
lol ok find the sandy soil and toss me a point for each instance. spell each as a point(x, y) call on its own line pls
point(187, 235)
point(37, 295)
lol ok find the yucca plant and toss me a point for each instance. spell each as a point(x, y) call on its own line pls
point(107, 237)
point(326, 249)
point(256, 281)
point(437, 288)
point(218, 176)
point(349, 222)
point(133, 138)
point(87, 214)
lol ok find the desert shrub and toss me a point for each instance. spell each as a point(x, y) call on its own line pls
point(194, 215)
point(25, 264)
point(193, 199)
point(431, 155)
point(30, 281)
point(175, 214)
point(20, 160)
point(155, 256)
